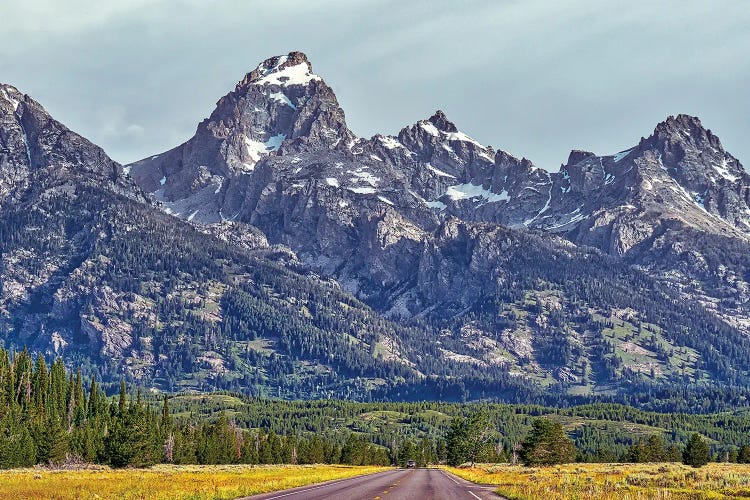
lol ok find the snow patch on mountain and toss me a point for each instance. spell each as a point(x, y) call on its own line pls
point(622, 154)
point(724, 171)
point(438, 172)
point(469, 191)
point(390, 142)
point(298, 74)
point(430, 128)
point(6, 92)
point(360, 175)
point(460, 136)
point(361, 190)
point(255, 149)
point(282, 98)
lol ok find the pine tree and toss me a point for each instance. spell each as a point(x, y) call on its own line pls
point(547, 444)
point(456, 441)
point(39, 385)
point(93, 403)
point(52, 441)
point(122, 405)
point(654, 449)
point(696, 453)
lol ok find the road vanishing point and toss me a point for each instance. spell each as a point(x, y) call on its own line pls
point(401, 484)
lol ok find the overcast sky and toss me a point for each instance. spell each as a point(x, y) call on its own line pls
point(535, 78)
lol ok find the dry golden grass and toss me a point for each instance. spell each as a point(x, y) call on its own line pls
point(168, 482)
point(613, 481)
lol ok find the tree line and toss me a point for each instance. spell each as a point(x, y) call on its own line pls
point(547, 443)
point(49, 414)
point(46, 417)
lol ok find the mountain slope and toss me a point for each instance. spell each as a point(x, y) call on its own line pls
point(480, 275)
point(416, 225)
point(361, 210)
point(93, 272)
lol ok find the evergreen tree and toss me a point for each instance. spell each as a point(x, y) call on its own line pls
point(52, 441)
point(547, 444)
point(696, 451)
point(655, 449)
point(456, 442)
point(123, 398)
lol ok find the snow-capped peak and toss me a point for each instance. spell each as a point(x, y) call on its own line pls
point(439, 126)
point(291, 69)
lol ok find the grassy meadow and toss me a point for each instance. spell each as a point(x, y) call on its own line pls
point(613, 481)
point(168, 482)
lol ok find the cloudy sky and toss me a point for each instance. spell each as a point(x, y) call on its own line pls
point(536, 78)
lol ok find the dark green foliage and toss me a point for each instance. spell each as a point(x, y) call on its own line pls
point(650, 450)
point(52, 415)
point(547, 444)
point(697, 452)
point(45, 417)
point(357, 451)
point(467, 439)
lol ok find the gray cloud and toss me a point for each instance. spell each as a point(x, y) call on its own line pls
point(534, 77)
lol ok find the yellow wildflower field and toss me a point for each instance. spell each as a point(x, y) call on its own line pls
point(613, 481)
point(192, 482)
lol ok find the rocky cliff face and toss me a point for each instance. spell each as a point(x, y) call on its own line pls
point(364, 211)
point(39, 154)
point(479, 267)
point(91, 270)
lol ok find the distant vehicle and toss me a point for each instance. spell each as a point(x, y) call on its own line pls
point(411, 464)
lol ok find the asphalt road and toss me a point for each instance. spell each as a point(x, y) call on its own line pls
point(401, 484)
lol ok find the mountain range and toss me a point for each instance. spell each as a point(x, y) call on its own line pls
point(275, 252)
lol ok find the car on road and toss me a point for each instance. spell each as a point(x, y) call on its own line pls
point(411, 464)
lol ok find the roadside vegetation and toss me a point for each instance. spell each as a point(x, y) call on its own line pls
point(168, 481)
point(613, 481)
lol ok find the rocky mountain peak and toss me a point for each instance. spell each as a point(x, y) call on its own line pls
point(415, 225)
point(10, 97)
point(40, 156)
point(577, 156)
point(678, 134)
point(285, 70)
point(693, 153)
point(441, 122)
point(680, 124)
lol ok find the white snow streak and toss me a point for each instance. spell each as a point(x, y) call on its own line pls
point(361, 190)
point(724, 171)
point(437, 171)
point(469, 191)
point(622, 154)
point(281, 97)
point(390, 142)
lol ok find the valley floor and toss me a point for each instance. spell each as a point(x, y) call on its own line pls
point(584, 481)
point(613, 481)
point(163, 482)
